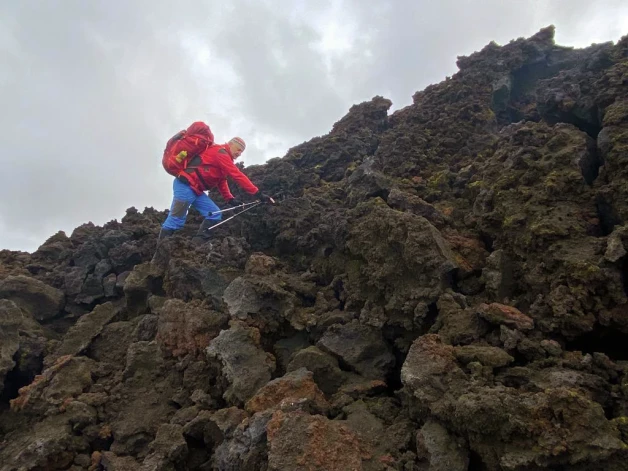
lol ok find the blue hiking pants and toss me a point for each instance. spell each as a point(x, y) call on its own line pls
point(183, 198)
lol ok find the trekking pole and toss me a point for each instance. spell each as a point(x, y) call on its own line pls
point(232, 208)
point(243, 211)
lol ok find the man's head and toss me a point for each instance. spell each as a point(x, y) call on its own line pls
point(237, 146)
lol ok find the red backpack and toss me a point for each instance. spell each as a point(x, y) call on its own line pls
point(184, 145)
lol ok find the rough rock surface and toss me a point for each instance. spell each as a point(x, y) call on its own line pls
point(439, 288)
point(33, 296)
point(299, 441)
point(242, 363)
point(185, 329)
point(10, 321)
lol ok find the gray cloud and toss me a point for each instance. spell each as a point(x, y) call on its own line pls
point(92, 90)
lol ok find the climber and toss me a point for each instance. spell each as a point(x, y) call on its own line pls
point(204, 171)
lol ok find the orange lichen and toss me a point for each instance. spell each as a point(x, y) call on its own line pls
point(26, 393)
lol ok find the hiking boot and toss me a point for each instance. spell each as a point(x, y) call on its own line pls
point(163, 233)
point(203, 231)
point(162, 252)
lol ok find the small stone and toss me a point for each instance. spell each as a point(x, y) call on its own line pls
point(502, 314)
point(552, 347)
point(614, 248)
point(295, 386)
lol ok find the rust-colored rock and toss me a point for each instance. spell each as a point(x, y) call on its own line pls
point(301, 442)
point(187, 328)
point(502, 314)
point(295, 387)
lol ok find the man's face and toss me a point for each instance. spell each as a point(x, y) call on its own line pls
point(236, 151)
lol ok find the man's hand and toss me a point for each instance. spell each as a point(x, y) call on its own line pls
point(234, 202)
point(264, 198)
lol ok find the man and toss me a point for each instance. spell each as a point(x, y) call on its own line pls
point(205, 171)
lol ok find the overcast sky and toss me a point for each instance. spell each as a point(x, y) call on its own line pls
point(92, 89)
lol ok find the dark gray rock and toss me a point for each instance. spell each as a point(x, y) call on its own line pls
point(244, 366)
point(360, 347)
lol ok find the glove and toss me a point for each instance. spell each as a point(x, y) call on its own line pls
point(234, 202)
point(264, 198)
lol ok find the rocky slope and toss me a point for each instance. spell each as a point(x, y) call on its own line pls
point(441, 288)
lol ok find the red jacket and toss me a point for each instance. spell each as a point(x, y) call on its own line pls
point(212, 168)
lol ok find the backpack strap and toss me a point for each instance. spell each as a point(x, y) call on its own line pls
point(198, 174)
point(189, 168)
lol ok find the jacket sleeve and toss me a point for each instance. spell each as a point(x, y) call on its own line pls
point(223, 188)
point(234, 172)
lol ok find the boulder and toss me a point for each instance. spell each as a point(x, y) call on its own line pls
point(362, 348)
point(243, 364)
point(297, 438)
point(39, 300)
